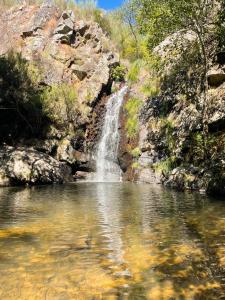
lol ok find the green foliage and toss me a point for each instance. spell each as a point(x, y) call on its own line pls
point(151, 88)
point(168, 131)
point(101, 18)
point(195, 151)
point(136, 152)
point(135, 165)
point(126, 38)
point(132, 108)
point(158, 19)
point(166, 128)
point(134, 71)
point(198, 138)
point(20, 94)
point(59, 103)
point(165, 166)
point(118, 73)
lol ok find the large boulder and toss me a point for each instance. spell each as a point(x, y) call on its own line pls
point(28, 166)
point(172, 48)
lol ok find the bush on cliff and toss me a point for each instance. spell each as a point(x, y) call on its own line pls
point(118, 73)
point(132, 108)
point(27, 107)
point(60, 103)
point(21, 105)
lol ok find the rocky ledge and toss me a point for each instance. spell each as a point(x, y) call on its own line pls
point(21, 166)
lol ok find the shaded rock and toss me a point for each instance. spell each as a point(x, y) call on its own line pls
point(81, 175)
point(216, 109)
point(64, 50)
point(78, 160)
point(216, 180)
point(4, 180)
point(81, 27)
point(28, 166)
point(216, 186)
point(216, 76)
point(65, 152)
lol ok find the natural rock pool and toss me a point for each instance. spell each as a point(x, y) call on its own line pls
point(110, 241)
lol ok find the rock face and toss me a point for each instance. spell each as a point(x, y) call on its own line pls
point(65, 49)
point(65, 28)
point(216, 76)
point(62, 51)
point(171, 137)
point(28, 166)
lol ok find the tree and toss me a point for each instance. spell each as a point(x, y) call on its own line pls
point(21, 103)
point(128, 13)
point(160, 18)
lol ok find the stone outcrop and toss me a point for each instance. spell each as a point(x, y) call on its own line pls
point(62, 50)
point(65, 27)
point(27, 166)
point(65, 49)
point(171, 138)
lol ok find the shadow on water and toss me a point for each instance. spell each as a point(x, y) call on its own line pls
point(110, 241)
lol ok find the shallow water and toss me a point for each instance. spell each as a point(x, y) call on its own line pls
point(110, 241)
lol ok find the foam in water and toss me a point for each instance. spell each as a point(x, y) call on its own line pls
point(107, 166)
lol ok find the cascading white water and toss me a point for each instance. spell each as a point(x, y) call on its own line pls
point(107, 166)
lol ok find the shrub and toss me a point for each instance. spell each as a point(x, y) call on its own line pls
point(136, 152)
point(59, 103)
point(132, 108)
point(165, 166)
point(134, 71)
point(20, 94)
point(118, 73)
point(101, 18)
point(151, 88)
point(135, 166)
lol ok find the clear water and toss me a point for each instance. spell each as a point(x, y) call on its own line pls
point(107, 166)
point(110, 241)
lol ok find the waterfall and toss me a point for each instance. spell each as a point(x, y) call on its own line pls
point(107, 166)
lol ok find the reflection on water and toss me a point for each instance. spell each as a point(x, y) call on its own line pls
point(110, 219)
point(110, 241)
